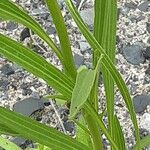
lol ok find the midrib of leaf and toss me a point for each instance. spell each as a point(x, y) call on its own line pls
point(26, 58)
point(108, 64)
point(104, 32)
point(41, 133)
point(63, 37)
point(10, 11)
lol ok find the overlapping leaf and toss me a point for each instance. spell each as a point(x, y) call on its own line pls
point(37, 132)
point(36, 65)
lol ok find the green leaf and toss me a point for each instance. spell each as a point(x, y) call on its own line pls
point(9, 11)
point(63, 37)
point(91, 111)
point(37, 132)
point(107, 63)
point(35, 64)
point(145, 142)
point(83, 86)
point(7, 145)
point(5, 130)
point(105, 34)
point(118, 134)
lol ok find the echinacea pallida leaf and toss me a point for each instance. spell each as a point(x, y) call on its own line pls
point(107, 63)
point(38, 132)
point(35, 64)
point(9, 11)
point(84, 83)
point(118, 134)
point(7, 145)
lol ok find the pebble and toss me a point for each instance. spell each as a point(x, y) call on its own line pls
point(28, 106)
point(87, 16)
point(84, 46)
point(140, 102)
point(69, 126)
point(144, 6)
point(11, 26)
point(25, 33)
point(3, 83)
point(79, 60)
point(147, 53)
point(145, 121)
point(131, 5)
point(133, 54)
point(7, 70)
point(18, 141)
point(148, 27)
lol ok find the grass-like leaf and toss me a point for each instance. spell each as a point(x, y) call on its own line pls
point(105, 34)
point(9, 11)
point(37, 132)
point(118, 134)
point(145, 142)
point(37, 65)
point(63, 37)
point(7, 145)
point(107, 63)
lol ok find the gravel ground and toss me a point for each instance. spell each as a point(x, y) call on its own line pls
point(132, 59)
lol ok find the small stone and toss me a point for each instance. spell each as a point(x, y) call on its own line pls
point(148, 70)
point(79, 60)
point(133, 54)
point(24, 34)
point(11, 26)
point(28, 106)
point(87, 16)
point(144, 6)
point(145, 121)
point(147, 53)
point(69, 126)
point(18, 141)
point(140, 102)
point(131, 5)
point(3, 84)
point(84, 46)
point(7, 70)
point(148, 27)
point(50, 30)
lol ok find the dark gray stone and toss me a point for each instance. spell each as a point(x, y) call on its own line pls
point(11, 26)
point(144, 6)
point(140, 102)
point(69, 126)
point(3, 84)
point(131, 5)
point(147, 53)
point(148, 70)
point(7, 70)
point(133, 54)
point(18, 141)
point(25, 33)
point(79, 60)
point(148, 27)
point(28, 106)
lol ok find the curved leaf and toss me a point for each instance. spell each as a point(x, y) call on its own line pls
point(38, 132)
point(35, 64)
point(9, 11)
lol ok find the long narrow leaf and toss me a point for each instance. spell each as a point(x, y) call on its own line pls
point(105, 33)
point(35, 64)
point(145, 142)
point(63, 37)
point(9, 11)
point(118, 134)
point(107, 63)
point(37, 132)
